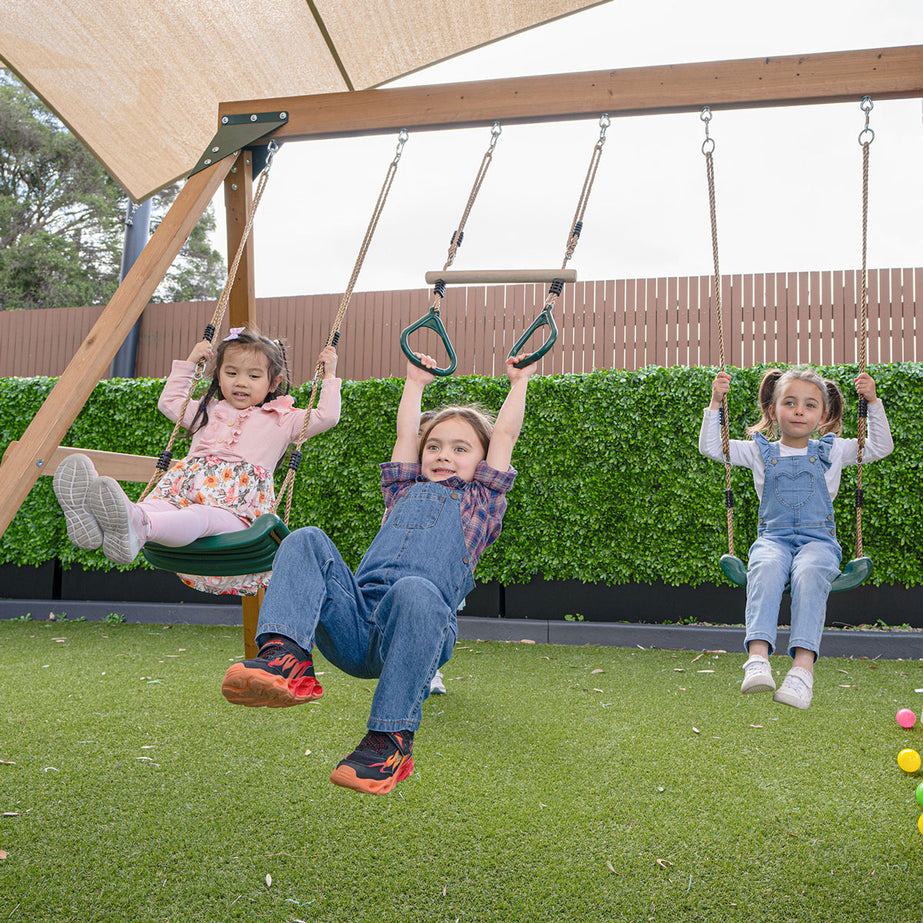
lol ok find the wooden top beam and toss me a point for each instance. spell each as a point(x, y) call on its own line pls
point(841, 76)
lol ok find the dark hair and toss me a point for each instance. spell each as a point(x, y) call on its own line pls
point(481, 421)
point(831, 396)
point(252, 341)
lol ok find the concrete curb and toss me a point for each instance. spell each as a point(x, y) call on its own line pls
point(888, 645)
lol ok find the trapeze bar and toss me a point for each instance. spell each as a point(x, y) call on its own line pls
point(500, 276)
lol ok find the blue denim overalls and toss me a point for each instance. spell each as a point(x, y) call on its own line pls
point(796, 543)
point(395, 617)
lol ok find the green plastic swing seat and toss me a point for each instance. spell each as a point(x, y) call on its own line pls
point(855, 573)
point(250, 551)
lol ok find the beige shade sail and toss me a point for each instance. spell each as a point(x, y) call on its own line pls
point(140, 82)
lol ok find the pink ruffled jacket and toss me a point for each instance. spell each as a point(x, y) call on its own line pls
point(258, 435)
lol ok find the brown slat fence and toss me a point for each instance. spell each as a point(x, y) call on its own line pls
point(615, 324)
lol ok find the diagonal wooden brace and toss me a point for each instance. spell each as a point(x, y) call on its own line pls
point(23, 466)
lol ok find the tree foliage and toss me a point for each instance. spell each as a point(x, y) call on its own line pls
point(62, 218)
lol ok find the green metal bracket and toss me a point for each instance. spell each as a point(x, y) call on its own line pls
point(239, 131)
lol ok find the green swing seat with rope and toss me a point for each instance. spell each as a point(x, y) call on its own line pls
point(857, 570)
point(252, 550)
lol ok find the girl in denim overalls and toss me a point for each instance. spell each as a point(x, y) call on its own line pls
point(796, 478)
point(394, 618)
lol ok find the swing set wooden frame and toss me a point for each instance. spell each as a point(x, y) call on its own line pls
point(844, 76)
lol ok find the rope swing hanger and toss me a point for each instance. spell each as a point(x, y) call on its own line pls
point(858, 569)
point(252, 550)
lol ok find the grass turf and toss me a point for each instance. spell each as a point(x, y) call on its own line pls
point(552, 783)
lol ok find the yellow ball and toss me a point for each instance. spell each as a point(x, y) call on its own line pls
point(909, 760)
point(920, 824)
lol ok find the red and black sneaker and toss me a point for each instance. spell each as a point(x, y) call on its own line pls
point(377, 764)
point(280, 675)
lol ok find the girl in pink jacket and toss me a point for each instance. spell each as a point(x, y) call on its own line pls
point(240, 430)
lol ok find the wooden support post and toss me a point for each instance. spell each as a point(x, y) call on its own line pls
point(22, 466)
point(238, 202)
point(251, 610)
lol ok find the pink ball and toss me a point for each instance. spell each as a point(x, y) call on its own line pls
point(906, 718)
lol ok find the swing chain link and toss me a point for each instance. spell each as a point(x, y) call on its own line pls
point(867, 135)
point(495, 131)
point(708, 145)
point(271, 148)
point(402, 137)
point(604, 123)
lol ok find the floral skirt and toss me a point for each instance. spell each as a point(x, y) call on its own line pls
point(239, 487)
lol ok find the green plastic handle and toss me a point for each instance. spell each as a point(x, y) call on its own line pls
point(433, 321)
point(545, 319)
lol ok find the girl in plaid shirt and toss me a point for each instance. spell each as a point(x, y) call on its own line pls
point(394, 618)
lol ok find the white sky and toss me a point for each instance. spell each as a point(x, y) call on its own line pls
point(788, 180)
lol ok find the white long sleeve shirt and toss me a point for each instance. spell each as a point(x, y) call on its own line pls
point(878, 444)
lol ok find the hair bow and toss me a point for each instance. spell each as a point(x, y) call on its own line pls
point(234, 334)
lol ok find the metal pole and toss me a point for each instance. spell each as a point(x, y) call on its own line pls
point(137, 232)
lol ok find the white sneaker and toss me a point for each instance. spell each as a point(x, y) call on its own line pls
point(72, 479)
point(119, 518)
point(436, 685)
point(757, 675)
point(797, 688)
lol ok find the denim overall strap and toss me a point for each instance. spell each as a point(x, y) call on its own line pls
point(795, 505)
point(422, 537)
point(796, 545)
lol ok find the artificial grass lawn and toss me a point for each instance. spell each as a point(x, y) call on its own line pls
point(552, 783)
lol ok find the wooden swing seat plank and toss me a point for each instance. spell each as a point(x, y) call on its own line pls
point(499, 276)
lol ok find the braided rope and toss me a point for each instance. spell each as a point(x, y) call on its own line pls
point(459, 233)
point(576, 226)
point(288, 485)
point(868, 135)
point(708, 149)
point(218, 315)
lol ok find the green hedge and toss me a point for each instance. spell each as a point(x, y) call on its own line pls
point(611, 486)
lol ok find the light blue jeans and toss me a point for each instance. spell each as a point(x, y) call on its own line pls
point(810, 568)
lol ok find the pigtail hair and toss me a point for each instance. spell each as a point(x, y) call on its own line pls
point(286, 384)
point(834, 421)
point(765, 424)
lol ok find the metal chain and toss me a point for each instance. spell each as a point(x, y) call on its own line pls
point(220, 309)
point(866, 137)
point(708, 149)
point(288, 485)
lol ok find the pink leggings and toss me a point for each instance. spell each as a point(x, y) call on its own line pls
point(171, 526)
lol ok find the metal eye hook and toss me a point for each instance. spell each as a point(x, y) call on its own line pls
point(708, 145)
point(402, 137)
point(867, 135)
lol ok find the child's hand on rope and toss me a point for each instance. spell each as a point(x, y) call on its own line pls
point(719, 389)
point(865, 385)
point(418, 375)
point(201, 351)
point(328, 358)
